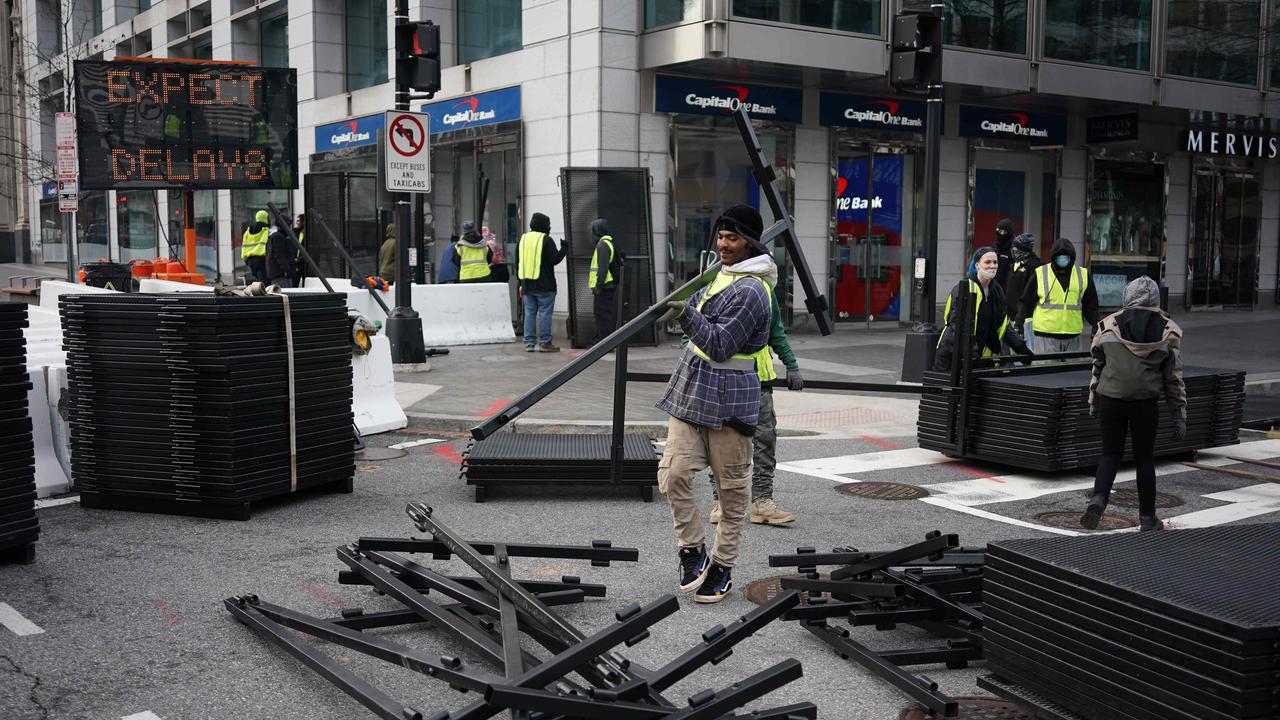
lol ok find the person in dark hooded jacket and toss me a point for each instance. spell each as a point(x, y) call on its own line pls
point(282, 258)
point(1059, 299)
point(538, 256)
point(1004, 252)
point(1025, 262)
point(1136, 356)
point(990, 322)
point(606, 264)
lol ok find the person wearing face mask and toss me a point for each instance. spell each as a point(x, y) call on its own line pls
point(990, 316)
point(1025, 262)
point(1136, 356)
point(1004, 251)
point(1059, 299)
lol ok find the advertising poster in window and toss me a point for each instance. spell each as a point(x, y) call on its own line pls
point(880, 263)
point(1126, 226)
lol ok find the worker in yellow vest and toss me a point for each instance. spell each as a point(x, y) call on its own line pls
point(1059, 299)
point(253, 247)
point(606, 268)
point(472, 255)
point(713, 400)
point(539, 255)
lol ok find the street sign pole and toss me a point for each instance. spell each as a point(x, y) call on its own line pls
point(404, 326)
point(68, 185)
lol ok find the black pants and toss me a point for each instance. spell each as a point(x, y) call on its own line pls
point(604, 307)
point(1137, 419)
point(257, 265)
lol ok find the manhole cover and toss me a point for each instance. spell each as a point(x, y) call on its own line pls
point(883, 490)
point(380, 453)
point(1071, 521)
point(1129, 499)
point(765, 589)
point(973, 708)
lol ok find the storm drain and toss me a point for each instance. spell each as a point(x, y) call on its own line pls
point(883, 490)
point(973, 708)
point(1071, 520)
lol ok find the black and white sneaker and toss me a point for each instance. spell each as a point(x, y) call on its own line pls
point(718, 583)
point(693, 567)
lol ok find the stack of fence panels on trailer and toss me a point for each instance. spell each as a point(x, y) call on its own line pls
point(18, 525)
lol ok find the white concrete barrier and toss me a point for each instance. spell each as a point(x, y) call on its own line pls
point(374, 390)
point(453, 314)
point(152, 285)
point(51, 290)
point(49, 432)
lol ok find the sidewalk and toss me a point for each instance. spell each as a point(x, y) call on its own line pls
point(474, 382)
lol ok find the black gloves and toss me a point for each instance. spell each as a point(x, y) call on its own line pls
point(795, 381)
point(1179, 428)
point(595, 290)
point(675, 310)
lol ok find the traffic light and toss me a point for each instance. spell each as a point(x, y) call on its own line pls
point(418, 56)
point(917, 50)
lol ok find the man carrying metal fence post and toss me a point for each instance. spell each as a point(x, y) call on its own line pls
point(713, 399)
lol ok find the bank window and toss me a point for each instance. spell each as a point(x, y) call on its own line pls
point(273, 34)
point(366, 30)
point(1100, 32)
point(998, 25)
point(668, 12)
point(136, 225)
point(860, 16)
point(1213, 40)
point(487, 28)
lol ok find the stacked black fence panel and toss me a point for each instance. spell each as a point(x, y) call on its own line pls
point(1166, 625)
point(1038, 419)
point(18, 525)
point(181, 402)
point(621, 196)
point(509, 458)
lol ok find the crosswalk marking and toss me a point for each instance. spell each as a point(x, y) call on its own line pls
point(144, 715)
point(16, 623)
point(1245, 502)
point(414, 443)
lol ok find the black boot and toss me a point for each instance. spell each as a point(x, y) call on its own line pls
point(1093, 513)
point(1150, 522)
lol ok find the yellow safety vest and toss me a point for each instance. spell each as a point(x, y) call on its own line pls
point(530, 248)
point(474, 266)
point(595, 260)
point(1059, 311)
point(254, 245)
point(979, 299)
point(760, 361)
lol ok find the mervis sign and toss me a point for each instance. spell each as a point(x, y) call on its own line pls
point(715, 97)
point(864, 111)
point(475, 110)
point(1230, 143)
point(348, 133)
point(995, 123)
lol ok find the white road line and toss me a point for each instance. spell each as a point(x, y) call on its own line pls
point(414, 443)
point(1246, 502)
point(16, 623)
point(947, 504)
point(144, 715)
point(866, 462)
point(42, 504)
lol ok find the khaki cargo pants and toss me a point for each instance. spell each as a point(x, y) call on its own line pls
point(690, 449)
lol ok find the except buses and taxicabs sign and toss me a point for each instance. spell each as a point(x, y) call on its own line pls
point(156, 124)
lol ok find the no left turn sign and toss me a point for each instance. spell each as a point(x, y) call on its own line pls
point(408, 151)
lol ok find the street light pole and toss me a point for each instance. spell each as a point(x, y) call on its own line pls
point(404, 325)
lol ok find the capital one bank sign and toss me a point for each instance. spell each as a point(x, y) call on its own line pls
point(716, 97)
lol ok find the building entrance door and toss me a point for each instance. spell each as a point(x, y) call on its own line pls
point(1222, 253)
point(873, 237)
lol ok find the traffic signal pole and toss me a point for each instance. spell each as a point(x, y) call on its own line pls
point(404, 325)
point(932, 151)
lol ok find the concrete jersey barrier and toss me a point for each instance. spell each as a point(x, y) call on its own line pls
point(452, 314)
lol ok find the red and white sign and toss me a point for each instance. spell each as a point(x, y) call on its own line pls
point(64, 127)
point(408, 151)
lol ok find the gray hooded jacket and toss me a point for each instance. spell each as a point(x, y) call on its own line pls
point(1137, 354)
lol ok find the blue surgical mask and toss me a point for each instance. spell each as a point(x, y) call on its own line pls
point(1062, 260)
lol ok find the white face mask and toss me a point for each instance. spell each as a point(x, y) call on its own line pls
point(986, 274)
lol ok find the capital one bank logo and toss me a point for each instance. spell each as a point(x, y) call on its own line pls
point(1018, 127)
point(888, 116)
point(854, 203)
point(470, 112)
point(350, 134)
point(729, 103)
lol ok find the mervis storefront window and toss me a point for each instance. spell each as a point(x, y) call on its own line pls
point(487, 28)
point(860, 16)
point(1126, 225)
point(668, 12)
point(1100, 33)
point(1213, 40)
point(999, 25)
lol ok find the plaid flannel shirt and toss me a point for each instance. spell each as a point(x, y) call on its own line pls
point(735, 320)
